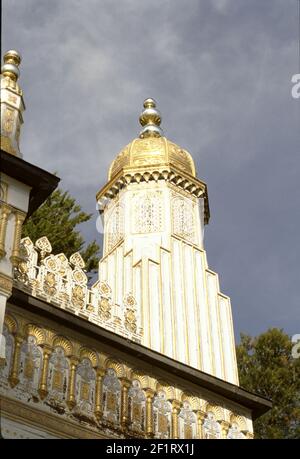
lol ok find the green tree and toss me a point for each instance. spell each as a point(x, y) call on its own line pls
point(57, 218)
point(266, 367)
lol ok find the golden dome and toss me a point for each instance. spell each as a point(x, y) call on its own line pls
point(151, 149)
point(152, 152)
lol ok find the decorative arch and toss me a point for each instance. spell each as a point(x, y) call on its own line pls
point(146, 381)
point(216, 410)
point(89, 354)
point(31, 361)
point(11, 323)
point(211, 427)
point(162, 412)
point(9, 343)
point(168, 390)
point(137, 406)
point(117, 367)
point(114, 225)
point(37, 332)
point(58, 372)
point(187, 421)
point(194, 401)
point(239, 420)
point(85, 386)
point(61, 341)
point(111, 395)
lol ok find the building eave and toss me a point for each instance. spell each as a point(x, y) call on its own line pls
point(42, 183)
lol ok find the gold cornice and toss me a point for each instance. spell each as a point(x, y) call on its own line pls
point(169, 174)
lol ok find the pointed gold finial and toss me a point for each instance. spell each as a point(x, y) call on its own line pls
point(10, 68)
point(150, 119)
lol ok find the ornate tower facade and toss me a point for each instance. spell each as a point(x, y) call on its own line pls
point(154, 208)
point(147, 351)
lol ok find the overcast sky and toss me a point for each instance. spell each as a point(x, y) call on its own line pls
point(221, 72)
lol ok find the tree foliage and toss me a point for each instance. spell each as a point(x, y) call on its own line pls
point(266, 367)
point(57, 218)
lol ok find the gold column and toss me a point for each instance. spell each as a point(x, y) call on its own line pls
point(124, 401)
point(43, 389)
point(224, 428)
point(15, 258)
point(175, 411)
point(5, 211)
point(98, 397)
point(149, 413)
point(200, 420)
point(14, 374)
point(71, 395)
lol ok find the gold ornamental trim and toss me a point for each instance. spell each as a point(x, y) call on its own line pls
point(6, 145)
point(6, 284)
point(168, 173)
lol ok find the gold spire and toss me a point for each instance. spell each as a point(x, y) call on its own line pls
point(150, 119)
point(12, 104)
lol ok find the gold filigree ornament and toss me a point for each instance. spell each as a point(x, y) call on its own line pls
point(44, 246)
point(104, 309)
point(79, 277)
point(78, 296)
point(129, 300)
point(102, 288)
point(50, 284)
point(77, 260)
point(130, 320)
point(22, 271)
point(51, 263)
point(63, 263)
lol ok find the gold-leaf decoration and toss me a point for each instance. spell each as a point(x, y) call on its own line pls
point(50, 283)
point(77, 260)
point(63, 263)
point(61, 341)
point(78, 296)
point(104, 309)
point(11, 323)
point(130, 320)
point(89, 354)
point(43, 245)
point(129, 300)
point(21, 272)
point(51, 263)
point(102, 287)
point(79, 277)
point(37, 332)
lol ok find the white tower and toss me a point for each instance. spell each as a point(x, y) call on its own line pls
point(155, 209)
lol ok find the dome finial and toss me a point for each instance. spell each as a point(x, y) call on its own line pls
point(150, 119)
point(10, 68)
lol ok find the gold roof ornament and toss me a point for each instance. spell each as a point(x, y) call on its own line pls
point(10, 68)
point(150, 119)
point(12, 104)
point(151, 148)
